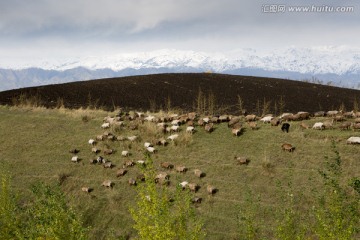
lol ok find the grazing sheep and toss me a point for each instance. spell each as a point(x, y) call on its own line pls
point(100, 159)
point(356, 126)
point(275, 122)
point(86, 189)
point(129, 163)
point(181, 169)
point(105, 125)
point(173, 137)
point(140, 162)
point(233, 121)
point(175, 122)
point(318, 125)
point(209, 127)
point(100, 137)
point(206, 119)
point(132, 182)
point(166, 165)
point(149, 118)
point(338, 118)
point(140, 177)
point(251, 117)
point(93, 161)
point(74, 151)
point(193, 187)
point(303, 115)
point(190, 129)
point(132, 138)
point(192, 115)
point(287, 117)
point(224, 118)
point(332, 113)
point(175, 128)
point(162, 142)
point(95, 150)
point(121, 172)
point(120, 138)
point(190, 123)
point(242, 160)
point(140, 114)
point(196, 200)
point(108, 184)
point(253, 125)
point(201, 122)
point(285, 127)
point(357, 120)
point(287, 147)
point(236, 131)
point(353, 140)
point(319, 114)
point(349, 114)
point(92, 142)
point(111, 137)
point(125, 153)
point(345, 125)
point(75, 159)
point(183, 184)
point(108, 165)
point(214, 119)
point(108, 151)
point(147, 144)
point(329, 124)
point(211, 189)
point(151, 149)
point(199, 173)
point(266, 119)
point(162, 178)
point(304, 125)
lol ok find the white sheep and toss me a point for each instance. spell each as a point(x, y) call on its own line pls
point(92, 141)
point(105, 125)
point(125, 153)
point(75, 159)
point(318, 125)
point(175, 128)
point(206, 119)
point(353, 140)
point(140, 162)
point(132, 138)
point(149, 118)
point(147, 144)
point(173, 137)
point(183, 184)
point(151, 149)
point(266, 119)
point(175, 122)
point(190, 129)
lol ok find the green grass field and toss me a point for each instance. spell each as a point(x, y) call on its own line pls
point(35, 144)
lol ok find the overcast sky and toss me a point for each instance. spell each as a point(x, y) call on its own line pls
point(68, 28)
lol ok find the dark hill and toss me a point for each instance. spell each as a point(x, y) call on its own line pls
point(143, 92)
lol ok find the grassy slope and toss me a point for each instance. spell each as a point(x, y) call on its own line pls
point(35, 143)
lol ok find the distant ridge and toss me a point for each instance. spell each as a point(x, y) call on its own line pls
point(145, 91)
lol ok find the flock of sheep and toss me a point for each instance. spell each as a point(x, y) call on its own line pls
point(169, 127)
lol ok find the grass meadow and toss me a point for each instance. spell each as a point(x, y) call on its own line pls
point(251, 199)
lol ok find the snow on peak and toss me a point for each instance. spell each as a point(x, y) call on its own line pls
point(314, 60)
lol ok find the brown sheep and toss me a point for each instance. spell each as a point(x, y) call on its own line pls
point(233, 121)
point(193, 187)
point(74, 151)
point(108, 151)
point(304, 125)
point(181, 169)
point(236, 131)
point(242, 160)
point(287, 147)
point(121, 172)
point(250, 118)
point(140, 177)
point(86, 189)
point(209, 127)
point(356, 126)
point(95, 150)
point(108, 184)
point(210, 189)
point(196, 200)
point(132, 182)
point(253, 125)
point(345, 125)
point(201, 122)
point(129, 163)
point(167, 165)
point(108, 165)
point(199, 173)
point(275, 122)
point(162, 178)
point(357, 120)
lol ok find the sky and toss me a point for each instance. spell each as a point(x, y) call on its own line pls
point(77, 28)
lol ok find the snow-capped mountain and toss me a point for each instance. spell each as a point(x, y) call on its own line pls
point(339, 65)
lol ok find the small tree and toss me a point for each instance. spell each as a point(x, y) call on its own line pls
point(156, 217)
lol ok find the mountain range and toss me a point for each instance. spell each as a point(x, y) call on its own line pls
point(332, 65)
